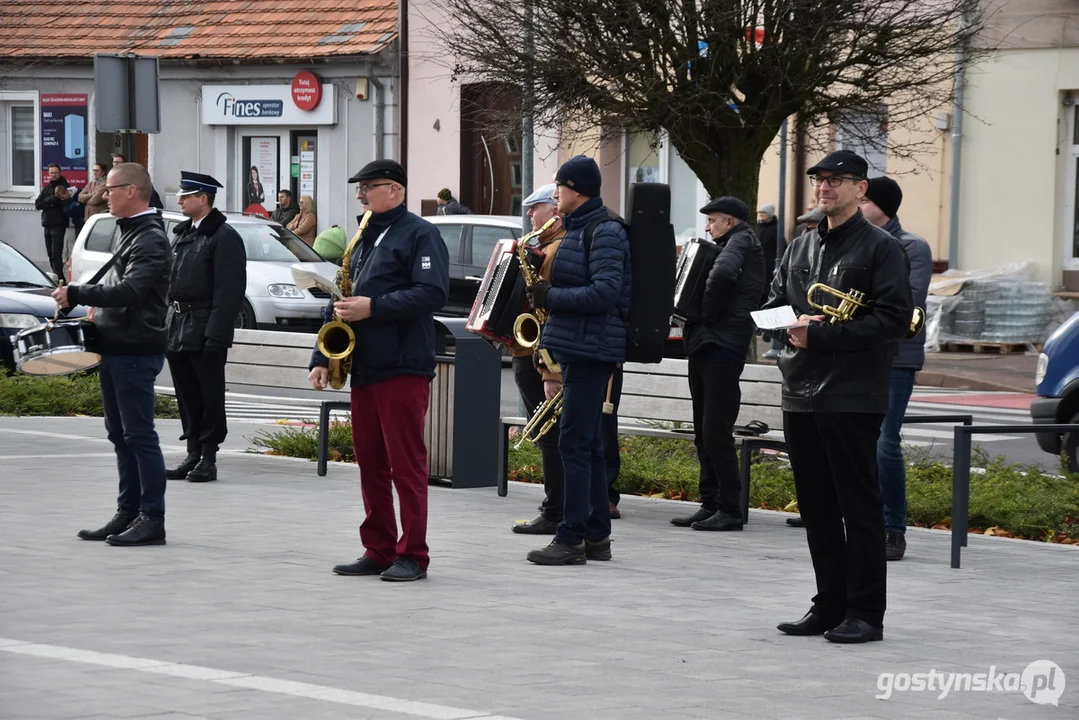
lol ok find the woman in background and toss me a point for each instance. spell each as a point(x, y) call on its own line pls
point(304, 224)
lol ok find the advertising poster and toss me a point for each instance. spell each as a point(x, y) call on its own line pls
point(260, 187)
point(307, 168)
point(64, 140)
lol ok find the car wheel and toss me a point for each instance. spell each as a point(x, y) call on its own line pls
point(1070, 447)
point(245, 320)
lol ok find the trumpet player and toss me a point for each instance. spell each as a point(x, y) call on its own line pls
point(400, 275)
point(716, 346)
point(835, 397)
point(535, 384)
point(587, 300)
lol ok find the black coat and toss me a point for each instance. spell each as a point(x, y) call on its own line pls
point(52, 207)
point(211, 272)
point(846, 365)
point(131, 299)
point(733, 290)
point(768, 232)
point(406, 275)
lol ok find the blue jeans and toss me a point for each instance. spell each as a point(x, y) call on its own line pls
point(587, 515)
point(891, 468)
point(127, 394)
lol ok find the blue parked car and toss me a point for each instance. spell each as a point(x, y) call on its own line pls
point(1057, 385)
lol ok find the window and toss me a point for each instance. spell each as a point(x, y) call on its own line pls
point(866, 133)
point(21, 133)
point(1071, 216)
point(642, 159)
point(484, 239)
point(451, 235)
point(101, 235)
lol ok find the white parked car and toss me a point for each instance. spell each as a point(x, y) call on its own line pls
point(272, 301)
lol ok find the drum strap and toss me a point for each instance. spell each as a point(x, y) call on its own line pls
point(62, 312)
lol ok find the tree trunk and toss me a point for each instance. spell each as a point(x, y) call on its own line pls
point(738, 173)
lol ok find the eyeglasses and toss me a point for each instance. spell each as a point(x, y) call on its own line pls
point(109, 188)
point(832, 180)
point(365, 188)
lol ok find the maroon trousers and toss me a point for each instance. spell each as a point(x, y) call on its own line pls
point(387, 433)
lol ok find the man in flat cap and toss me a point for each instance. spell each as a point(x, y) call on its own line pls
point(128, 308)
point(400, 277)
point(716, 346)
point(206, 294)
point(835, 396)
point(587, 299)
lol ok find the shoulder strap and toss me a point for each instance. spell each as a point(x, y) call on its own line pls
point(590, 229)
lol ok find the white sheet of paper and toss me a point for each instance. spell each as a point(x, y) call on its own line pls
point(309, 278)
point(779, 318)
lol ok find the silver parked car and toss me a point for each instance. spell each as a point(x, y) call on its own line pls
point(272, 301)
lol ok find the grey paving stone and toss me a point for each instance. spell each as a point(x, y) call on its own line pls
point(679, 624)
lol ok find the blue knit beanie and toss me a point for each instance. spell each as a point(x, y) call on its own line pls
point(580, 173)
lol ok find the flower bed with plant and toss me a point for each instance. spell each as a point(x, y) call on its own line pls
point(1005, 499)
point(63, 395)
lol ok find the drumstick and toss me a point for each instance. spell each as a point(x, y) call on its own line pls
point(608, 406)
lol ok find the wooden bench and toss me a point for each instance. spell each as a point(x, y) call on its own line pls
point(655, 397)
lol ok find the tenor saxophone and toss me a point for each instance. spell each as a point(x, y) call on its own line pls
point(527, 326)
point(336, 340)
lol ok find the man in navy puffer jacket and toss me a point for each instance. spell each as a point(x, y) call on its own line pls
point(587, 302)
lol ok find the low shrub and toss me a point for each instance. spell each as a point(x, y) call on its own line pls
point(78, 394)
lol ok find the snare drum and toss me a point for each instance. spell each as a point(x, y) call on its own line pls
point(57, 348)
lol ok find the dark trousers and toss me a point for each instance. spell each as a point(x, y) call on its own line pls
point(530, 385)
point(834, 458)
point(387, 433)
point(54, 246)
point(199, 378)
point(127, 395)
point(891, 467)
point(713, 385)
point(612, 453)
point(587, 515)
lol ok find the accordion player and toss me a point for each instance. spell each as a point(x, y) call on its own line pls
point(501, 297)
point(694, 264)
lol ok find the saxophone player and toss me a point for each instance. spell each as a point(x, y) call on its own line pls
point(399, 270)
point(835, 396)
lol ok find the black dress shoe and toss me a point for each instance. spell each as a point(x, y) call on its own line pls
point(180, 471)
point(120, 521)
point(598, 549)
point(558, 553)
point(700, 515)
point(538, 525)
point(616, 514)
point(811, 624)
point(362, 566)
point(895, 545)
point(404, 569)
point(796, 522)
point(720, 521)
point(853, 630)
point(205, 471)
point(144, 531)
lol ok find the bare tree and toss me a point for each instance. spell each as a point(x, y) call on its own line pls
point(719, 76)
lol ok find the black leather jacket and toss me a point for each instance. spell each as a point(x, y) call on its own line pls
point(209, 278)
point(733, 290)
point(846, 365)
point(130, 300)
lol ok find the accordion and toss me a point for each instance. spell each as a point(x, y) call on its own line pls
point(501, 296)
point(694, 264)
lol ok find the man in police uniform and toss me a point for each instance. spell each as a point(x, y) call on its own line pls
point(400, 277)
point(206, 292)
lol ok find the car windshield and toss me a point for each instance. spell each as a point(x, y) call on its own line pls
point(17, 271)
point(271, 243)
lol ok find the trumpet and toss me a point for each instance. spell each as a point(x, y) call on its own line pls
point(528, 325)
point(851, 301)
point(336, 340)
point(542, 420)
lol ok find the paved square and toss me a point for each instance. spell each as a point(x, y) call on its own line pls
point(239, 615)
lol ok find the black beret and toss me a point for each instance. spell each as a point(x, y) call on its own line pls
point(842, 161)
point(728, 206)
point(381, 169)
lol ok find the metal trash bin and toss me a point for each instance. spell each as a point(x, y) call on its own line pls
point(463, 438)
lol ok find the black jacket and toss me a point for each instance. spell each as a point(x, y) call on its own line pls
point(210, 271)
point(768, 232)
point(131, 299)
point(734, 289)
point(406, 275)
point(846, 366)
point(52, 207)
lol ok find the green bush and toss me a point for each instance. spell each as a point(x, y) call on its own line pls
point(78, 394)
point(1011, 499)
